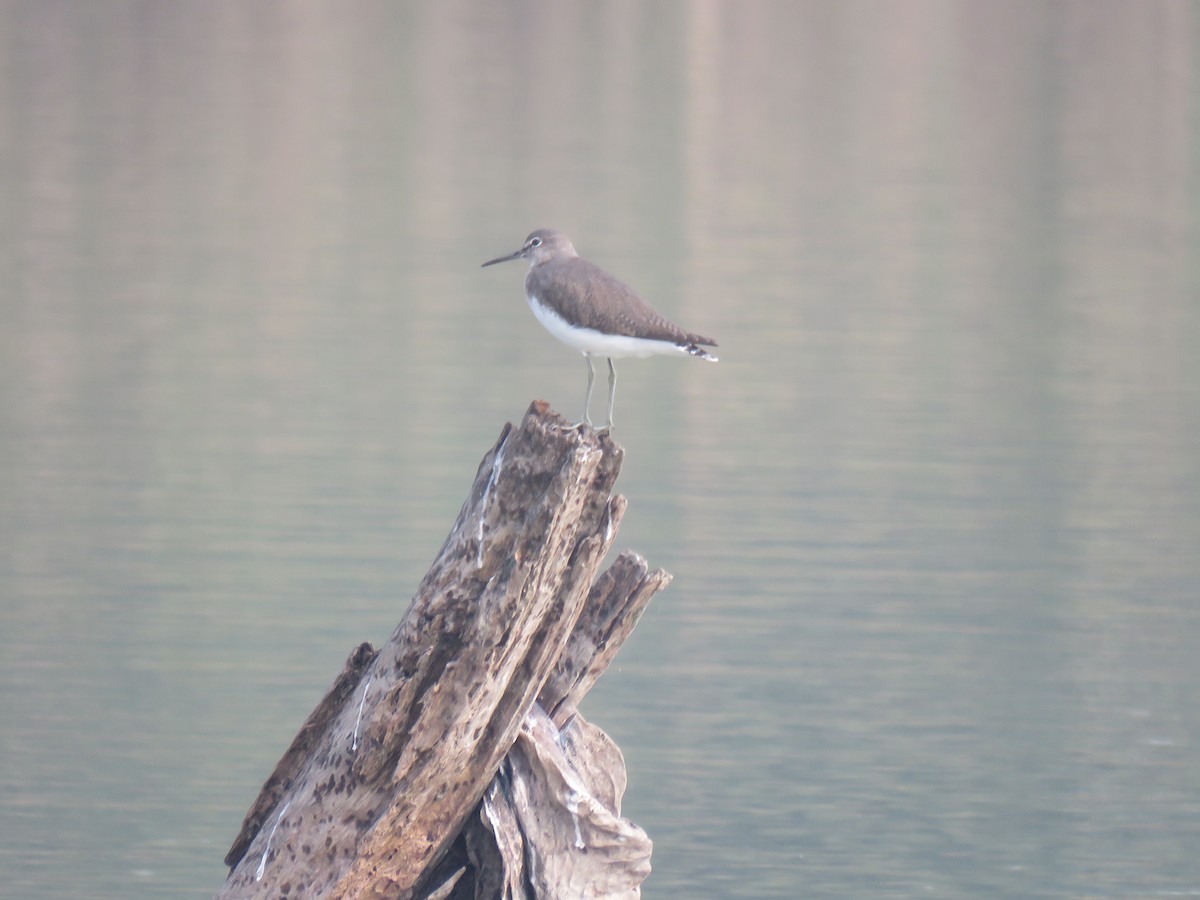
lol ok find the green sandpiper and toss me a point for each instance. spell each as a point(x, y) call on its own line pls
point(593, 312)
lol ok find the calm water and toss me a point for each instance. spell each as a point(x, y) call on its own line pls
point(934, 519)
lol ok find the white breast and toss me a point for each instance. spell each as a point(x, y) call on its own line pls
point(590, 342)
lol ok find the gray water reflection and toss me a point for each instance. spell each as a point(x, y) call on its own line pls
point(933, 518)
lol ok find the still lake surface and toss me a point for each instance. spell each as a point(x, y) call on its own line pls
point(934, 519)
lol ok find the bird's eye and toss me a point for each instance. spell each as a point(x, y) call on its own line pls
point(535, 242)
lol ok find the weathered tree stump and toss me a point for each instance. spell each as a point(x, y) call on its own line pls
point(452, 762)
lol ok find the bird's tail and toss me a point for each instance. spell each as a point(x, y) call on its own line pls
point(696, 350)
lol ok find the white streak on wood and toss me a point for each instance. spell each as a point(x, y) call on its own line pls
point(497, 463)
point(262, 863)
point(358, 721)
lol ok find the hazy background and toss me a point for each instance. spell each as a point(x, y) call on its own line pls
point(934, 518)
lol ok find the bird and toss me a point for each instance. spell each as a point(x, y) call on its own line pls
point(595, 313)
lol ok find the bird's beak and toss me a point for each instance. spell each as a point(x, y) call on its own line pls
point(517, 254)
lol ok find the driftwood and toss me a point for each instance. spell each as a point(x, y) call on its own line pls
point(452, 762)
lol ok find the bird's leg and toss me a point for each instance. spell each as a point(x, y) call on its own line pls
point(612, 393)
point(587, 398)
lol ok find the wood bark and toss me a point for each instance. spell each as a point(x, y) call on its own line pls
point(452, 762)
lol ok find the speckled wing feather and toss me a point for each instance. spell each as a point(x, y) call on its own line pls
point(571, 287)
